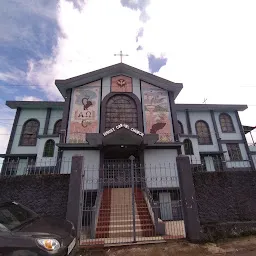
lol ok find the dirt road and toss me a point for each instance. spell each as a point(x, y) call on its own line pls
point(245, 246)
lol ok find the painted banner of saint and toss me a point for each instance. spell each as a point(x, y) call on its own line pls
point(84, 115)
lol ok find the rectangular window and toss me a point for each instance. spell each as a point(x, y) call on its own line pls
point(234, 152)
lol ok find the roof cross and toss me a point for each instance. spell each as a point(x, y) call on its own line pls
point(121, 55)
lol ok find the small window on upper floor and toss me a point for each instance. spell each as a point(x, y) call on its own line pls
point(57, 127)
point(29, 133)
point(181, 130)
point(49, 148)
point(203, 133)
point(226, 123)
point(234, 152)
point(188, 147)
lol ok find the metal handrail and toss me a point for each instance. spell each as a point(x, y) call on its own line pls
point(95, 212)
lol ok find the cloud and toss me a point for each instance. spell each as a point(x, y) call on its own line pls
point(140, 34)
point(155, 63)
point(140, 5)
point(78, 52)
point(139, 48)
point(27, 98)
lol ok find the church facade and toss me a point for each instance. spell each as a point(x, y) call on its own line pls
point(117, 112)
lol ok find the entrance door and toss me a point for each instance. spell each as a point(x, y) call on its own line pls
point(165, 206)
point(117, 165)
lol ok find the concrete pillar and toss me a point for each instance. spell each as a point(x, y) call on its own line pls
point(74, 206)
point(189, 205)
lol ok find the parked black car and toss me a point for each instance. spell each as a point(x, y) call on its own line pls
point(25, 233)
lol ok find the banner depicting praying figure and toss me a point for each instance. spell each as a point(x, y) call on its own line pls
point(84, 112)
point(156, 112)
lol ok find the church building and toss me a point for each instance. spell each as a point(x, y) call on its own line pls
point(120, 111)
point(125, 124)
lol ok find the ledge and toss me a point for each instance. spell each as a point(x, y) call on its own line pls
point(17, 155)
point(47, 136)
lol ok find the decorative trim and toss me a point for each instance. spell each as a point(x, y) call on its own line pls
point(174, 116)
point(188, 122)
point(104, 103)
point(65, 116)
point(245, 141)
point(48, 136)
point(47, 120)
point(231, 141)
point(18, 155)
point(14, 128)
point(72, 146)
point(188, 136)
point(212, 153)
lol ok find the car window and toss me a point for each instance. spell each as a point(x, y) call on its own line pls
point(14, 215)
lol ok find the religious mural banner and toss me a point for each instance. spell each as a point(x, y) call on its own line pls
point(121, 84)
point(84, 113)
point(156, 112)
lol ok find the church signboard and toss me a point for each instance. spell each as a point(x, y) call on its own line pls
point(84, 113)
point(126, 126)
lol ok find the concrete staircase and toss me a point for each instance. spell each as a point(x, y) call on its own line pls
point(116, 218)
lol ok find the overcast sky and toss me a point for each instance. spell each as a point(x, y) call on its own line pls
point(208, 45)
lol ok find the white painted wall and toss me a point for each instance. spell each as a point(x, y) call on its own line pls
point(230, 135)
point(205, 116)
point(26, 114)
point(136, 87)
point(56, 114)
point(181, 116)
point(46, 161)
point(91, 166)
point(161, 168)
point(254, 159)
point(236, 164)
point(105, 86)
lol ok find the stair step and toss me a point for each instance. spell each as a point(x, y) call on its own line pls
point(123, 233)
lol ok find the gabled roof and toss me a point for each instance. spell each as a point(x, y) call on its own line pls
point(207, 107)
point(114, 70)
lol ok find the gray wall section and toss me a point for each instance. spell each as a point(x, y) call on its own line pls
point(56, 114)
point(161, 163)
point(91, 165)
point(45, 194)
point(181, 116)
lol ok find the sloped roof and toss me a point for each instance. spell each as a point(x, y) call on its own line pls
point(114, 70)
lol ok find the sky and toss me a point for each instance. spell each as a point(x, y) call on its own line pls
point(209, 46)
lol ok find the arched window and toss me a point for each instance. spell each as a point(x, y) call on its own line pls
point(49, 148)
point(203, 133)
point(226, 123)
point(181, 130)
point(121, 109)
point(29, 133)
point(188, 147)
point(57, 127)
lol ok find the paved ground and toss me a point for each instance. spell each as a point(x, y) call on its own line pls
point(241, 247)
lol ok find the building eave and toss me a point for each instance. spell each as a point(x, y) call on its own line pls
point(114, 70)
point(35, 104)
point(207, 107)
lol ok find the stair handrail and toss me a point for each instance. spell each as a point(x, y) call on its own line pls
point(153, 208)
point(96, 210)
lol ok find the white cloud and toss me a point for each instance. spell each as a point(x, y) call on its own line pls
point(210, 46)
point(27, 98)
